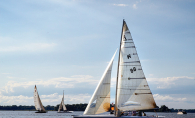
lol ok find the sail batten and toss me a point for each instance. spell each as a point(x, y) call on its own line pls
point(100, 100)
point(132, 86)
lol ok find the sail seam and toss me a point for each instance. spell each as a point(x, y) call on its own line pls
point(130, 47)
point(142, 93)
point(136, 78)
point(132, 62)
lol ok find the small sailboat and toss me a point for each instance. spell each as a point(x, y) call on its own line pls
point(181, 112)
point(62, 108)
point(132, 90)
point(38, 104)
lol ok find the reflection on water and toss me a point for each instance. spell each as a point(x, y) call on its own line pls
point(54, 114)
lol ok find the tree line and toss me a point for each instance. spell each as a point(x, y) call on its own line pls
point(82, 107)
point(73, 107)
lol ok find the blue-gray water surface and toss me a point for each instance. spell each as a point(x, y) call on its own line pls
point(54, 114)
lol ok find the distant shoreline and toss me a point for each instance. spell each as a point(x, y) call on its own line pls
point(81, 107)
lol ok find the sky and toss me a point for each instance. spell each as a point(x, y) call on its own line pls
point(66, 45)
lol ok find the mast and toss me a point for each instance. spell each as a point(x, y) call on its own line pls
point(64, 107)
point(115, 106)
point(63, 95)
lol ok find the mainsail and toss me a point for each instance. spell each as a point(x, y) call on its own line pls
point(132, 91)
point(37, 101)
point(62, 105)
point(100, 101)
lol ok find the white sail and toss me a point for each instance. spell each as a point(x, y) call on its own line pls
point(62, 105)
point(37, 101)
point(100, 101)
point(133, 92)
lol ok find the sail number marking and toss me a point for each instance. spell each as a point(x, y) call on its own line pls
point(133, 69)
point(125, 38)
point(129, 56)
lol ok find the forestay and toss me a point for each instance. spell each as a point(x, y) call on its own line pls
point(133, 92)
point(37, 101)
point(100, 101)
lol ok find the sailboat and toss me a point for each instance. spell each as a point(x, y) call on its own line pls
point(38, 104)
point(181, 112)
point(132, 90)
point(62, 108)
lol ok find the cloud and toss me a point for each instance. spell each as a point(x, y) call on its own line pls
point(168, 98)
point(28, 47)
point(177, 101)
point(170, 82)
point(134, 6)
point(5, 73)
point(52, 99)
point(113, 82)
point(120, 5)
point(68, 99)
point(61, 82)
point(15, 100)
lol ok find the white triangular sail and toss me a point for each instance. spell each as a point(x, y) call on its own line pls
point(62, 105)
point(133, 92)
point(37, 101)
point(100, 101)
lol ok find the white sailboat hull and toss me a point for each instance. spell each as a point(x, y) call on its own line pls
point(65, 111)
point(110, 116)
point(181, 112)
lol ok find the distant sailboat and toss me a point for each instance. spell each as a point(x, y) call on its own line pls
point(38, 105)
point(181, 112)
point(132, 90)
point(62, 108)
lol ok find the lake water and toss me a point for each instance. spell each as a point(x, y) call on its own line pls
point(54, 114)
